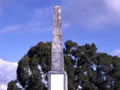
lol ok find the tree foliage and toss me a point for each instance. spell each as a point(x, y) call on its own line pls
point(86, 68)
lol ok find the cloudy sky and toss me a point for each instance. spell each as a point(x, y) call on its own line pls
point(24, 23)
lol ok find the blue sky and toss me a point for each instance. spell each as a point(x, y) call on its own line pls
point(24, 23)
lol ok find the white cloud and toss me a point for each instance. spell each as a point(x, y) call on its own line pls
point(11, 28)
point(66, 25)
point(92, 14)
point(87, 14)
point(116, 52)
point(113, 4)
point(3, 87)
point(7, 73)
point(41, 20)
point(31, 26)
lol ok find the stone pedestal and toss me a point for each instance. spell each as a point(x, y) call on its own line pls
point(57, 80)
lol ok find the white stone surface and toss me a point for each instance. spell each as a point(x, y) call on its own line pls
point(57, 48)
point(57, 82)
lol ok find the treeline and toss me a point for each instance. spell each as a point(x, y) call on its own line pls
point(86, 68)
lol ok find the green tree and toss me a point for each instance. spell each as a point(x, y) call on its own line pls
point(12, 85)
point(86, 68)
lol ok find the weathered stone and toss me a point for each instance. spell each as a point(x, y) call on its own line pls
point(57, 49)
point(57, 77)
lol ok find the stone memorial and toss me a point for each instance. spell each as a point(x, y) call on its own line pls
point(57, 77)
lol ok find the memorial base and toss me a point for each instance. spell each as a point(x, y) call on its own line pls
point(57, 80)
